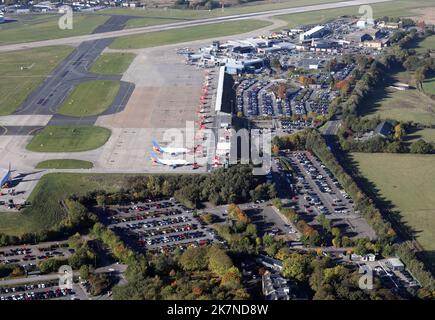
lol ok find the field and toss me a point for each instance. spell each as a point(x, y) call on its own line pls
point(45, 26)
point(153, 16)
point(426, 44)
point(398, 8)
point(64, 164)
point(429, 86)
point(90, 98)
point(46, 211)
point(22, 72)
point(69, 139)
point(112, 63)
point(408, 181)
point(409, 105)
point(427, 134)
point(160, 38)
point(42, 27)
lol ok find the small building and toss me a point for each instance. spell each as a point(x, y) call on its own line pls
point(269, 262)
point(384, 129)
point(374, 44)
point(395, 264)
point(23, 11)
point(390, 25)
point(311, 64)
point(369, 257)
point(275, 287)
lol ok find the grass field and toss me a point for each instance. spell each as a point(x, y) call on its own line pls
point(409, 105)
point(112, 63)
point(427, 134)
point(64, 164)
point(42, 27)
point(408, 181)
point(428, 43)
point(90, 98)
point(167, 15)
point(45, 26)
point(159, 38)
point(16, 83)
point(429, 86)
point(69, 139)
point(397, 8)
point(46, 211)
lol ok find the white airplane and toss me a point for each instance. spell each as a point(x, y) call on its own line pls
point(172, 151)
point(174, 163)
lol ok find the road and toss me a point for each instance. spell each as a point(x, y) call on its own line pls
point(176, 25)
point(331, 127)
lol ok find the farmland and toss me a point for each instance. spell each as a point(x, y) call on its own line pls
point(426, 44)
point(408, 182)
point(410, 105)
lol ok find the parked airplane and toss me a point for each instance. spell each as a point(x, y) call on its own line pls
point(172, 151)
point(173, 163)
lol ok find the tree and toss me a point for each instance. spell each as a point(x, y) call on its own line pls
point(194, 259)
point(84, 272)
point(275, 64)
point(324, 222)
point(99, 283)
point(421, 146)
point(208, 218)
point(275, 150)
point(281, 91)
point(232, 278)
point(219, 261)
point(399, 132)
point(296, 267)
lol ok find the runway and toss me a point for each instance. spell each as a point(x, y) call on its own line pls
point(103, 33)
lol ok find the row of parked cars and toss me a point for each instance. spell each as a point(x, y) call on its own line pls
point(182, 246)
point(143, 215)
point(28, 287)
point(145, 241)
point(45, 295)
point(24, 255)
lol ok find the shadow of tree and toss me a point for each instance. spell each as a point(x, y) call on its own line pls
point(387, 208)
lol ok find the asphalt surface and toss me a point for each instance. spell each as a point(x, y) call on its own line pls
point(71, 72)
point(105, 34)
point(148, 222)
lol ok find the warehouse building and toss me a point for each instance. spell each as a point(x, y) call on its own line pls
point(316, 32)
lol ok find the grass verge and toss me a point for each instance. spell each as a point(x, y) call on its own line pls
point(64, 164)
point(23, 71)
point(90, 98)
point(69, 139)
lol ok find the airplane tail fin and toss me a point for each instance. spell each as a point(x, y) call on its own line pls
point(154, 158)
point(156, 147)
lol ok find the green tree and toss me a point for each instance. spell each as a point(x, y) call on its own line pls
point(194, 259)
point(296, 267)
point(421, 146)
